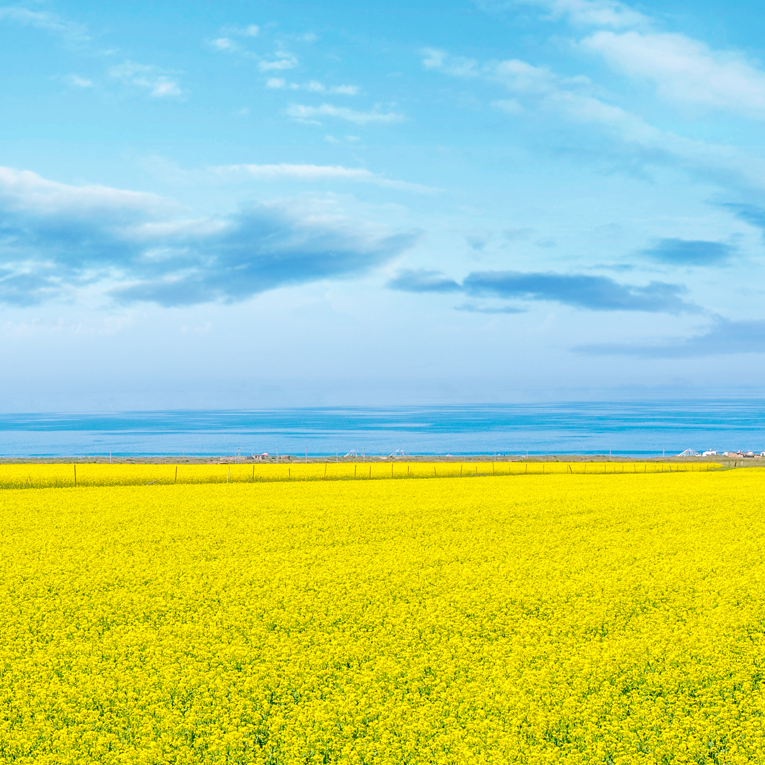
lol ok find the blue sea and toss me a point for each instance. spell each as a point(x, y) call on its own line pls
point(624, 428)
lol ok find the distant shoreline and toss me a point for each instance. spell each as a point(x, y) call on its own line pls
point(297, 459)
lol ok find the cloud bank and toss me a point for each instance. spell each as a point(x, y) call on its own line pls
point(55, 238)
point(682, 252)
point(592, 293)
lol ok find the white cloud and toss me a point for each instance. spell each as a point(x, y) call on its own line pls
point(225, 44)
point(77, 81)
point(345, 90)
point(23, 189)
point(150, 78)
point(163, 87)
point(302, 172)
point(318, 173)
point(685, 71)
point(301, 112)
point(283, 61)
point(508, 105)
point(521, 77)
point(435, 58)
point(516, 75)
point(346, 139)
point(249, 30)
point(313, 87)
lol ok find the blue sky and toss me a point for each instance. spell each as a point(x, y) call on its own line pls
point(271, 204)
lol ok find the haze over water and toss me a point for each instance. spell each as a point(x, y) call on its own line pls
point(625, 428)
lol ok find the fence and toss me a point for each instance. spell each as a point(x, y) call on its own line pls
point(19, 476)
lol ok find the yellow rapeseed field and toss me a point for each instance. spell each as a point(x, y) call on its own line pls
point(22, 476)
point(502, 619)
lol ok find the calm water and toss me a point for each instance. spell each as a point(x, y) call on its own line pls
point(645, 428)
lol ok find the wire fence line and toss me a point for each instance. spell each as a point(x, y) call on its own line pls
point(80, 475)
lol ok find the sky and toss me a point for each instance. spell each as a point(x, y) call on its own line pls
point(267, 204)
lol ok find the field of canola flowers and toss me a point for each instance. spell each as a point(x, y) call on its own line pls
point(19, 476)
point(554, 619)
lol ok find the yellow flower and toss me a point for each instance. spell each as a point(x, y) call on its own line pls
point(514, 617)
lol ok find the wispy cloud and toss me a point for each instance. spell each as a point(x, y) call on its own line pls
point(517, 234)
point(523, 78)
point(501, 309)
point(540, 91)
point(318, 173)
point(598, 13)
point(282, 62)
point(76, 81)
point(683, 252)
point(22, 190)
point(26, 289)
point(139, 247)
point(477, 240)
point(150, 78)
point(261, 249)
point(300, 112)
point(248, 30)
point(225, 44)
point(313, 86)
point(751, 214)
point(725, 338)
point(592, 293)
point(69, 31)
point(423, 281)
point(436, 58)
point(685, 72)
